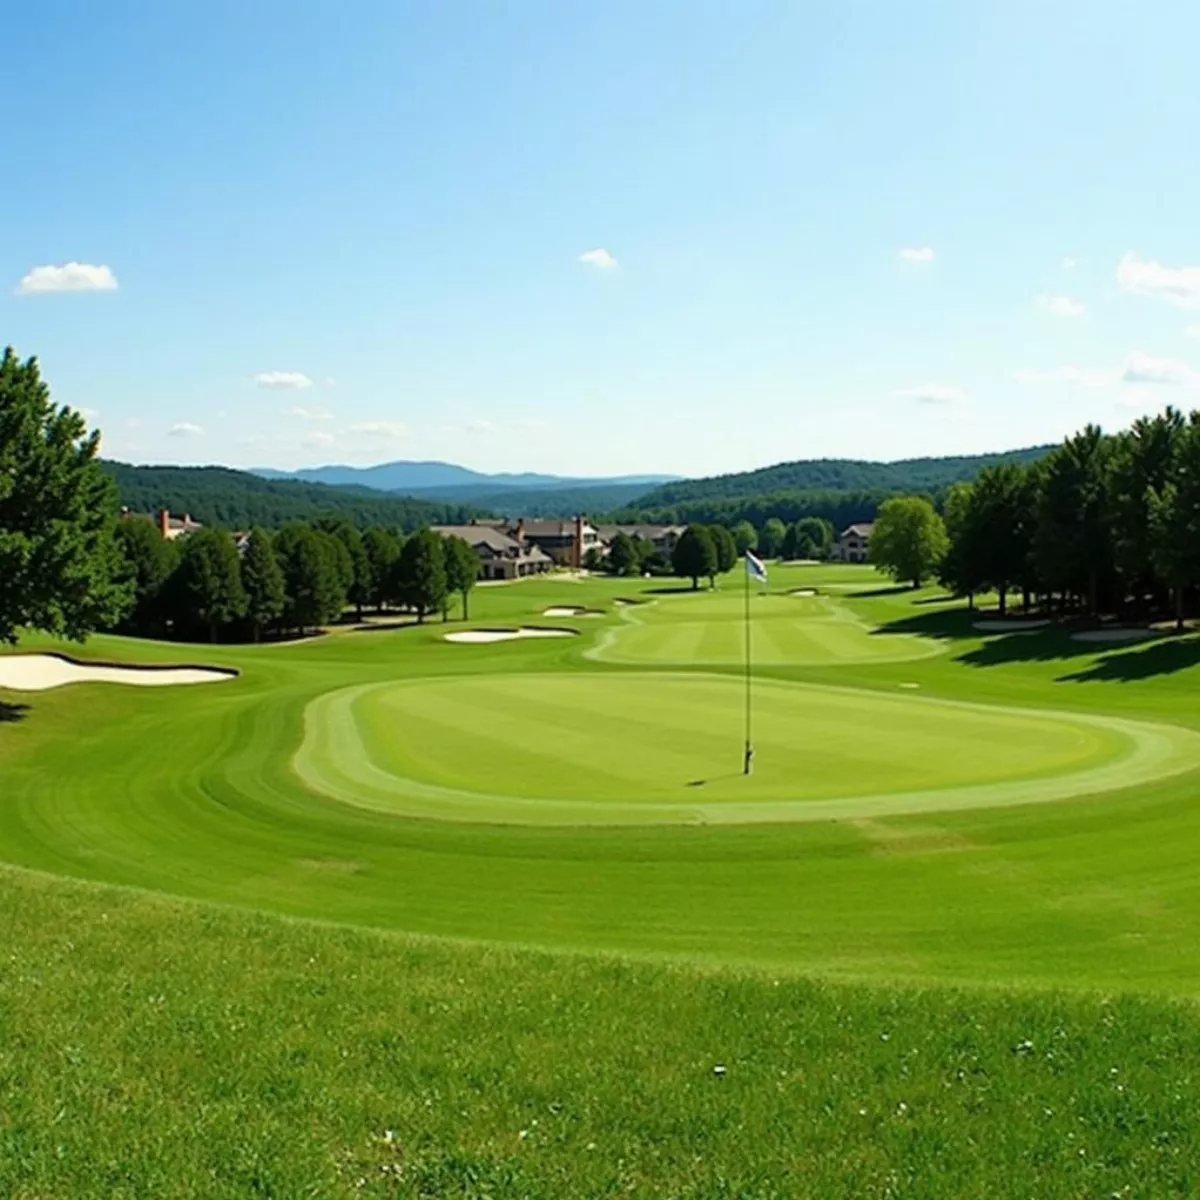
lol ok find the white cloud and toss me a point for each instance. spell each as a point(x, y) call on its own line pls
point(382, 429)
point(481, 426)
point(282, 379)
point(1178, 285)
point(1091, 377)
point(917, 254)
point(309, 414)
point(1061, 306)
point(1144, 368)
point(320, 438)
point(933, 393)
point(1069, 262)
point(598, 258)
point(185, 429)
point(69, 277)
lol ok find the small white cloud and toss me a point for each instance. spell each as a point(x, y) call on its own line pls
point(1177, 285)
point(185, 429)
point(598, 258)
point(1061, 306)
point(1069, 262)
point(917, 254)
point(1144, 368)
point(320, 438)
point(481, 426)
point(933, 393)
point(382, 429)
point(309, 414)
point(68, 277)
point(282, 379)
point(1091, 377)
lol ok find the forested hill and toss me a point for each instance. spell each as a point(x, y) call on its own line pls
point(238, 500)
point(914, 475)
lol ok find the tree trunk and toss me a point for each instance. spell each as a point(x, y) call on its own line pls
point(970, 602)
point(1003, 589)
point(466, 613)
point(1025, 598)
point(1179, 609)
point(695, 583)
point(1093, 592)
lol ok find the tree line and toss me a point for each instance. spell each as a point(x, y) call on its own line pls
point(1103, 524)
point(207, 585)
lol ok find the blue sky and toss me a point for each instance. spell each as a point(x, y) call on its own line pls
point(289, 234)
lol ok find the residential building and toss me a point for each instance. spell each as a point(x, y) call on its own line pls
point(566, 542)
point(169, 527)
point(500, 556)
point(853, 543)
point(661, 537)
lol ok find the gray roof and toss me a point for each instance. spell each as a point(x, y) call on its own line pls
point(648, 533)
point(498, 542)
point(863, 529)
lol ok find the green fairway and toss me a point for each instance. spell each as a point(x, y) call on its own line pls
point(793, 628)
point(888, 830)
point(587, 748)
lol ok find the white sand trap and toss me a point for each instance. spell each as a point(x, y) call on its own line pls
point(1113, 635)
point(563, 611)
point(40, 672)
point(483, 637)
point(804, 591)
point(1006, 626)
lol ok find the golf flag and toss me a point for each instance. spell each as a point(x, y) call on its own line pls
point(756, 568)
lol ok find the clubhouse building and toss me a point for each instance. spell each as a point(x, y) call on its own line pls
point(853, 543)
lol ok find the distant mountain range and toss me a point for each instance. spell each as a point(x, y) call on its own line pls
point(447, 481)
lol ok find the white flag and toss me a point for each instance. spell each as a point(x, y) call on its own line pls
point(756, 568)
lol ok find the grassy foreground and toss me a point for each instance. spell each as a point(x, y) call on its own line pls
point(153, 1047)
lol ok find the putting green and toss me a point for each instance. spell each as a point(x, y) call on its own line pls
point(709, 628)
point(665, 748)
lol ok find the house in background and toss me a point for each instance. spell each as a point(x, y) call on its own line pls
point(661, 537)
point(566, 542)
point(169, 527)
point(500, 555)
point(853, 543)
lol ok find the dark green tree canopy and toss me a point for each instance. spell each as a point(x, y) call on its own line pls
point(422, 573)
point(695, 555)
point(262, 581)
point(209, 581)
point(312, 582)
point(623, 556)
point(61, 569)
point(462, 569)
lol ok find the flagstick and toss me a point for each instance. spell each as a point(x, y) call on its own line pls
point(748, 756)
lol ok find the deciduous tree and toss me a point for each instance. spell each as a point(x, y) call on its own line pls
point(770, 540)
point(462, 570)
point(150, 561)
point(725, 547)
point(209, 587)
point(422, 573)
point(909, 539)
point(623, 556)
point(695, 555)
point(745, 536)
point(262, 581)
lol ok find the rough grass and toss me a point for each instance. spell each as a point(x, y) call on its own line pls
point(151, 1047)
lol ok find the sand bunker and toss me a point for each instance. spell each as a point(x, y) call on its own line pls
point(570, 610)
point(40, 672)
point(482, 637)
point(803, 592)
point(1113, 635)
point(1006, 626)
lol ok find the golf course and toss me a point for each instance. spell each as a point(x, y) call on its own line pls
point(926, 799)
point(553, 942)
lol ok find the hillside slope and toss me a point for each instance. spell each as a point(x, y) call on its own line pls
point(237, 499)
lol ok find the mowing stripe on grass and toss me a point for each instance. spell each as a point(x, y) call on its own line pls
point(654, 749)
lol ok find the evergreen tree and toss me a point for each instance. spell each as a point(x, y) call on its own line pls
point(61, 569)
point(960, 571)
point(359, 578)
point(770, 541)
point(1000, 528)
point(462, 570)
point(382, 548)
point(745, 536)
point(909, 540)
point(422, 573)
point(312, 586)
point(623, 556)
point(262, 581)
point(209, 584)
point(1174, 517)
point(1073, 544)
point(149, 562)
point(695, 555)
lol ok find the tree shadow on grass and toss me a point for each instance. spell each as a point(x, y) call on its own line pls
point(1141, 662)
point(685, 590)
point(940, 624)
point(896, 589)
point(11, 713)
